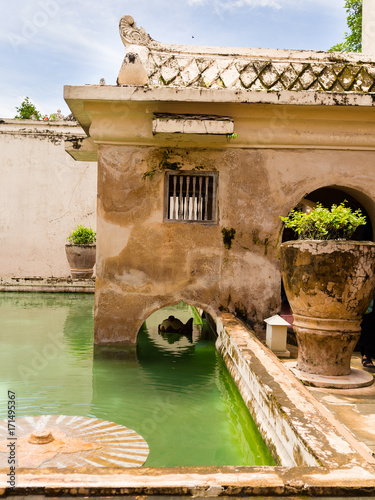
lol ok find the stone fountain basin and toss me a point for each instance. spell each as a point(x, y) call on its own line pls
point(70, 441)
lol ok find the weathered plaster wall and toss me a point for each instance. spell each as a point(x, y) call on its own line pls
point(146, 263)
point(368, 27)
point(44, 195)
point(288, 145)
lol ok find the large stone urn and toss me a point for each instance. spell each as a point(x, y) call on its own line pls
point(81, 259)
point(329, 285)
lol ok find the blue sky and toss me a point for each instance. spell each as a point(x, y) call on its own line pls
point(46, 44)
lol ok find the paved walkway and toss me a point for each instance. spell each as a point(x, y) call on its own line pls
point(354, 408)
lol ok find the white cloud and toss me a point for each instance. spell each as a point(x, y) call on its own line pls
point(275, 4)
point(45, 44)
point(238, 3)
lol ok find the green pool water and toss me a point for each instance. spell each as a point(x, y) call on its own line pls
point(173, 390)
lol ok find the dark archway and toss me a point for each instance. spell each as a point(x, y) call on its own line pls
point(172, 341)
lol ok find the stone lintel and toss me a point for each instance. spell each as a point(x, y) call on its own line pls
point(192, 124)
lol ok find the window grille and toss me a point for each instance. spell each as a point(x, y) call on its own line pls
point(191, 197)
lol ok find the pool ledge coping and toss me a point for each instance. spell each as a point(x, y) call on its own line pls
point(197, 481)
point(47, 285)
point(298, 429)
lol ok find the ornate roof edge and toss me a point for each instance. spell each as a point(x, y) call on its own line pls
point(151, 63)
point(132, 35)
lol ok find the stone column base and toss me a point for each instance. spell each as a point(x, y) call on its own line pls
point(357, 378)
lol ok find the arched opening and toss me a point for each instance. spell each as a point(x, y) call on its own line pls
point(328, 196)
point(176, 329)
point(189, 409)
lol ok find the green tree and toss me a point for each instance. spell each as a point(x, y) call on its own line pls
point(27, 110)
point(353, 39)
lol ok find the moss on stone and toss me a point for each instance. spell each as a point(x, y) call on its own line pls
point(228, 236)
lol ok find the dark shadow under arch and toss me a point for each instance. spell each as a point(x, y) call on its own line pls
point(174, 351)
point(184, 312)
point(207, 313)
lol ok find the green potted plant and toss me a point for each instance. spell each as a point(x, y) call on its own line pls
point(329, 282)
point(81, 252)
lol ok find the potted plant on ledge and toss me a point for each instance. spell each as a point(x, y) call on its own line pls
point(329, 282)
point(81, 252)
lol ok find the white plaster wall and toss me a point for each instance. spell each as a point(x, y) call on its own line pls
point(44, 194)
point(368, 27)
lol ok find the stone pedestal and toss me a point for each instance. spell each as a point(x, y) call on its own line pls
point(81, 260)
point(329, 285)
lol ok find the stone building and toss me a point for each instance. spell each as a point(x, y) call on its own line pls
point(45, 194)
point(200, 151)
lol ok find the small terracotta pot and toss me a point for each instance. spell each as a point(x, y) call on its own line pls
point(329, 285)
point(81, 260)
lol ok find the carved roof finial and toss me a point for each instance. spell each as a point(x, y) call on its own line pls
point(131, 34)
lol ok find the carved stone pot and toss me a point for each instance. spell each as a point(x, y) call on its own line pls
point(329, 285)
point(81, 260)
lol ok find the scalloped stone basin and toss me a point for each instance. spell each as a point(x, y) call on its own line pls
point(329, 285)
point(66, 441)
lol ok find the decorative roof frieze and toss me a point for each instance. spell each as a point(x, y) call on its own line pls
point(188, 70)
point(250, 69)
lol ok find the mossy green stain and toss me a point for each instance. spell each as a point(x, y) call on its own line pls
point(259, 242)
point(228, 236)
point(164, 164)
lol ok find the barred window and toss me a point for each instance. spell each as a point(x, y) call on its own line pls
point(191, 197)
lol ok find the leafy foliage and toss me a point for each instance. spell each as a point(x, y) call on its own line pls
point(337, 223)
point(353, 39)
point(27, 110)
point(82, 235)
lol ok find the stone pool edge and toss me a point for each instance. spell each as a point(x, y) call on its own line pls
point(316, 454)
point(47, 285)
point(196, 482)
point(298, 429)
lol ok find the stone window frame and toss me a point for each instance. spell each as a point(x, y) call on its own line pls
point(212, 201)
